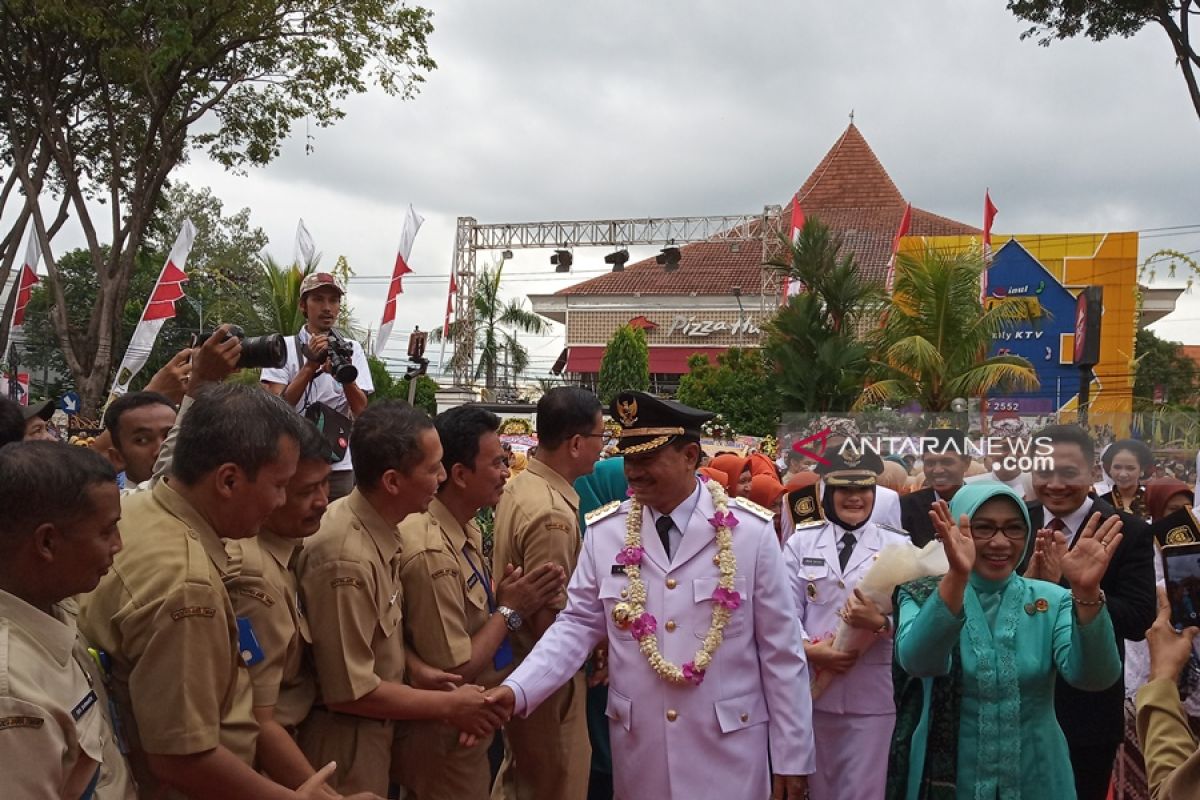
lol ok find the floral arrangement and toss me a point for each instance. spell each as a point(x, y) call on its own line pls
point(515, 426)
point(769, 447)
point(632, 614)
point(718, 428)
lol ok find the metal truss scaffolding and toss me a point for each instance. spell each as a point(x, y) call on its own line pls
point(471, 237)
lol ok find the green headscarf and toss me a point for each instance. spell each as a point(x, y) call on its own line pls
point(605, 484)
point(970, 497)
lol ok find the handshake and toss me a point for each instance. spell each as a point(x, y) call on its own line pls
point(476, 712)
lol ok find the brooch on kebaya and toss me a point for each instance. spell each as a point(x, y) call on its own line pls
point(1039, 606)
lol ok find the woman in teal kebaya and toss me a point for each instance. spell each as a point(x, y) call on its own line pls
point(978, 649)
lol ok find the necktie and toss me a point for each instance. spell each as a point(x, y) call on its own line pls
point(664, 525)
point(1057, 524)
point(848, 542)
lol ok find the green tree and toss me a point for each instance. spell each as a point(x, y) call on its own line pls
point(148, 84)
point(1054, 20)
point(933, 345)
point(497, 324)
point(739, 388)
point(817, 361)
point(625, 365)
point(1160, 363)
point(387, 387)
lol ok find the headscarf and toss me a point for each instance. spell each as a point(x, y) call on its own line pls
point(765, 490)
point(800, 480)
point(761, 465)
point(971, 496)
point(831, 513)
point(894, 476)
point(714, 474)
point(517, 462)
point(605, 485)
point(733, 466)
point(1160, 490)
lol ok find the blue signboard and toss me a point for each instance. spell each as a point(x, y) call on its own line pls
point(69, 402)
point(1015, 273)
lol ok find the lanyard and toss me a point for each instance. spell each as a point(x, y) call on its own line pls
point(487, 584)
point(503, 656)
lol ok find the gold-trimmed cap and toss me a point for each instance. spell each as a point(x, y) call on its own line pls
point(648, 422)
point(847, 467)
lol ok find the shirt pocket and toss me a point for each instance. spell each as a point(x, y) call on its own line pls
point(619, 709)
point(820, 584)
point(744, 711)
point(703, 588)
point(614, 589)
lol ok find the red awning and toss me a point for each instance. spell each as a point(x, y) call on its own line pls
point(663, 360)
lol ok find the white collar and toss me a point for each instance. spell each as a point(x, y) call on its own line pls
point(1074, 521)
point(683, 512)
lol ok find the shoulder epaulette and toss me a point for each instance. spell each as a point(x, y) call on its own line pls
point(602, 512)
point(754, 508)
point(812, 523)
point(892, 528)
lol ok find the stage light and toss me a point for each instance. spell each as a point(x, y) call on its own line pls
point(669, 258)
point(562, 260)
point(617, 260)
point(506, 255)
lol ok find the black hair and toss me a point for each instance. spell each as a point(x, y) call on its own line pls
point(1141, 451)
point(563, 412)
point(460, 430)
point(129, 402)
point(313, 446)
point(44, 482)
point(387, 436)
point(680, 443)
point(12, 422)
point(232, 424)
point(1069, 434)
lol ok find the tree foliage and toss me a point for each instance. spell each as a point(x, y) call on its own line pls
point(387, 387)
point(817, 361)
point(933, 345)
point(1054, 20)
point(738, 387)
point(625, 365)
point(100, 101)
point(1160, 363)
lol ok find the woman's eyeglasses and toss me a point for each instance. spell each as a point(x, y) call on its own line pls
point(986, 530)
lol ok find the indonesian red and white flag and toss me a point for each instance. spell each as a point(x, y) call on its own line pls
point(412, 224)
point(989, 216)
point(26, 280)
point(159, 308)
point(791, 287)
point(901, 232)
point(449, 306)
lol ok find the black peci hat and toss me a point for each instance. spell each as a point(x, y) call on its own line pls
point(649, 423)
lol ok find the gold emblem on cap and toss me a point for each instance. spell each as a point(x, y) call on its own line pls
point(1180, 535)
point(942, 423)
point(627, 410)
point(851, 458)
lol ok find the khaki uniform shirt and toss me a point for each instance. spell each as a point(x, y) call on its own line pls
point(349, 575)
point(55, 732)
point(264, 591)
point(166, 621)
point(537, 521)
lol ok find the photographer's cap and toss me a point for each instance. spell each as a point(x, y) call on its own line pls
point(318, 280)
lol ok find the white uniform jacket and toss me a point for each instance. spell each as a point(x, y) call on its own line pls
point(687, 741)
point(820, 589)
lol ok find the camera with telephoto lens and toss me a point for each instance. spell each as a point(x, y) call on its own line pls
point(258, 352)
point(341, 357)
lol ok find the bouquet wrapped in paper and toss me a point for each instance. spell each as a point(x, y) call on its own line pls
point(895, 564)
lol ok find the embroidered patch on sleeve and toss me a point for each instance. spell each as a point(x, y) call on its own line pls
point(21, 722)
point(193, 611)
point(444, 573)
point(336, 583)
point(257, 594)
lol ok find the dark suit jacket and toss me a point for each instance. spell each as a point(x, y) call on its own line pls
point(914, 516)
point(1097, 718)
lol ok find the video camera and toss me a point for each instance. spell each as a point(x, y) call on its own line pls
point(269, 351)
point(341, 357)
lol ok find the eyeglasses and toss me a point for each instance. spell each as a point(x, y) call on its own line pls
point(984, 531)
point(605, 438)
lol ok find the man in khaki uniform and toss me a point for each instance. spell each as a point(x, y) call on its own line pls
point(537, 521)
point(265, 594)
point(452, 619)
point(163, 615)
point(58, 534)
point(349, 575)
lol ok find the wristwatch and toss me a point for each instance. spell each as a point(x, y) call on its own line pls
point(512, 620)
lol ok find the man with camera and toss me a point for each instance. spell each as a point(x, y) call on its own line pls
point(324, 370)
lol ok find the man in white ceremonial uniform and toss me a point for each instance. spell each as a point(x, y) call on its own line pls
point(706, 671)
point(826, 560)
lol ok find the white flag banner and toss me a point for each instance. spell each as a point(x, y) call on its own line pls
point(408, 234)
point(306, 248)
point(160, 307)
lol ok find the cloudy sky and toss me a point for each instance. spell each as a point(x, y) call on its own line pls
point(619, 108)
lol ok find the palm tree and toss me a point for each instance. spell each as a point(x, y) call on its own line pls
point(934, 341)
point(496, 324)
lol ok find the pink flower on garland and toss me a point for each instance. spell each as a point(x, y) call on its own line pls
point(629, 556)
point(723, 519)
point(703, 478)
point(644, 626)
point(629, 492)
point(729, 598)
point(693, 675)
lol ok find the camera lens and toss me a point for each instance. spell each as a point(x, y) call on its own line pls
point(268, 351)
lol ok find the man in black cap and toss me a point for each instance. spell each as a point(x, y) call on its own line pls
point(946, 459)
point(689, 588)
point(37, 421)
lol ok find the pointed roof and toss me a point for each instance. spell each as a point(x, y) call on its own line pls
point(850, 191)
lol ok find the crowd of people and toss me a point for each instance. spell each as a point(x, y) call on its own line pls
point(187, 611)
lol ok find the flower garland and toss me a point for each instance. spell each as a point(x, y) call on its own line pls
point(633, 615)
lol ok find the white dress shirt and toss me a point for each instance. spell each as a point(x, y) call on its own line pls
point(1074, 521)
point(680, 516)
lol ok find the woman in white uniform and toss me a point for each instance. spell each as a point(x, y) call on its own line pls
point(825, 560)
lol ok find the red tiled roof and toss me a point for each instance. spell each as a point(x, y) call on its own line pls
point(849, 190)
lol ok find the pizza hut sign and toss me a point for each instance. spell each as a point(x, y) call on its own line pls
point(696, 328)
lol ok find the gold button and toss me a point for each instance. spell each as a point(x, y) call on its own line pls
point(192, 534)
point(744, 717)
point(671, 584)
point(624, 593)
point(841, 585)
point(670, 625)
point(672, 715)
point(717, 560)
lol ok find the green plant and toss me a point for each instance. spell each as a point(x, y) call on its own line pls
point(625, 365)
